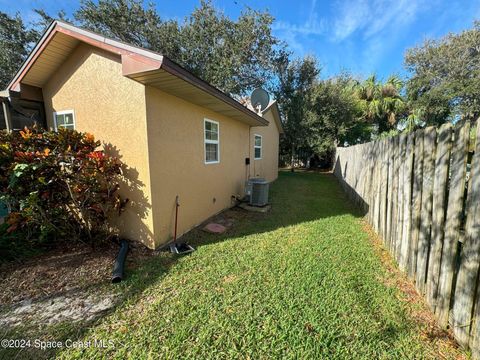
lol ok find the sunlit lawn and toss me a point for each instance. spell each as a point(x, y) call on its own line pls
point(301, 282)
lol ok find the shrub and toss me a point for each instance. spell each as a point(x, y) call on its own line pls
point(58, 185)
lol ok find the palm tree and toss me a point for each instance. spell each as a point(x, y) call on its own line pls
point(414, 120)
point(381, 103)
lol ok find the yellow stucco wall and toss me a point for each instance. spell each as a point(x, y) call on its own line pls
point(113, 108)
point(176, 148)
point(267, 167)
point(160, 139)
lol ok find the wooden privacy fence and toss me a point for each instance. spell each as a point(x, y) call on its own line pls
point(421, 193)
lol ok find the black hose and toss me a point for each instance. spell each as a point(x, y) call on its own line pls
point(117, 275)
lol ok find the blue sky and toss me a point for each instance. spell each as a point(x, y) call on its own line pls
point(361, 36)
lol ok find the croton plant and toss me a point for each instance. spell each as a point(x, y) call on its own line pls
point(59, 185)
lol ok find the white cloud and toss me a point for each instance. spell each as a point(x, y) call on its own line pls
point(380, 24)
point(311, 26)
point(369, 18)
point(353, 15)
point(303, 29)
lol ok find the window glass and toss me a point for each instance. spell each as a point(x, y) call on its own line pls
point(211, 140)
point(211, 131)
point(258, 147)
point(211, 152)
point(64, 120)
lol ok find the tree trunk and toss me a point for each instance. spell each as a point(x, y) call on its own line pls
point(292, 162)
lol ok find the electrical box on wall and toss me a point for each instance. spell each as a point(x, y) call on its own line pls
point(247, 161)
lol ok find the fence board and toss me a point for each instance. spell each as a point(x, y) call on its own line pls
point(429, 146)
point(378, 184)
point(401, 198)
point(453, 221)
point(396, 173)
point(470, 259)
point(384, 189)
point(371, 178)
point(442, 161)
point(407, 201)
point(416, 201)
point(388, 230)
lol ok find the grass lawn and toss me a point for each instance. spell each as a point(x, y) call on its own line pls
point(302, 282)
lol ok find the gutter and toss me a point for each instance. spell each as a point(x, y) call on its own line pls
point(4, 95)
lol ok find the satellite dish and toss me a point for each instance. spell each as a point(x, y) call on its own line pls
point(260, 98)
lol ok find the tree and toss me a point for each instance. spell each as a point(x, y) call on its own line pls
point(235, 56)
point(297, 80)
point(444, 79)
point(337, 119)
point(129, 21)
point(16, 41)
point(382, 103)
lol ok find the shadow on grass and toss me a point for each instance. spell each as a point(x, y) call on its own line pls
point(138, 279)
point(296, 198)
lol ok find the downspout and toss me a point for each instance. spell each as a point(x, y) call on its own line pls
point(249, 153)
point(177, 204)
point(118, 269)
point(6, 114)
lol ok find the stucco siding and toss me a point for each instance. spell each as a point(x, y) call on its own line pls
point(113, 108)
point(160, 139)
point(176, 147)
point(267, 166)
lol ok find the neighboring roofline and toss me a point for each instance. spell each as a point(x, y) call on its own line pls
point(155, 61)
point(277, 116)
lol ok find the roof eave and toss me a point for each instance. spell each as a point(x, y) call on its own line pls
point(175, 69)
point(13, 85)
point(278, 118)
point(134, 60)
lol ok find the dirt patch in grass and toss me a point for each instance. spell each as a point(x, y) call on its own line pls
point(441, 341)
point(62, 270)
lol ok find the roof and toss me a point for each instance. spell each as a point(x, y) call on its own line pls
point(273, 106)
point(145, 66)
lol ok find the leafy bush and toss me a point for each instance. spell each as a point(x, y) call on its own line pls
point(15, 245)
point(58, 185)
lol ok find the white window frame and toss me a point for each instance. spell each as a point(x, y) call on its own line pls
point(255, 146)
point(63, 112)
point(208, 141)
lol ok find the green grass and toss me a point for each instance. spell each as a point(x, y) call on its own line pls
point(301, 282)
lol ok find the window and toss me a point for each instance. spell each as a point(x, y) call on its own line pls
point(212, 146)
point(64, 119)
point(258, 147)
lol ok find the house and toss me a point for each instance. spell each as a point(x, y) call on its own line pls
point(176, 134)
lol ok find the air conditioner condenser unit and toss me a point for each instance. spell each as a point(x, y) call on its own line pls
point(259, 192)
